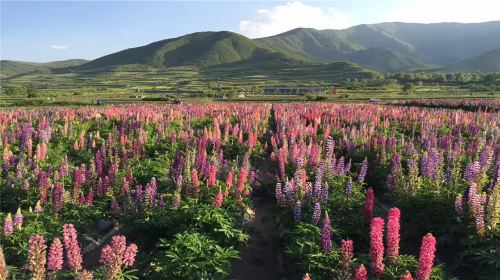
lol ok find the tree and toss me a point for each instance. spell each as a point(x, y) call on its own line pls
point(31, 91)
point(408, 87)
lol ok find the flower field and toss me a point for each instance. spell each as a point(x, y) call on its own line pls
point(360, 191)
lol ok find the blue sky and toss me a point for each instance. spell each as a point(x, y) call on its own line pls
point(47, 31)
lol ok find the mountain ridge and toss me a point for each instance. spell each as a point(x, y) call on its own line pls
point(385, 47)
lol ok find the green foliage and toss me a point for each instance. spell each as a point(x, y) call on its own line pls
point(192, 256)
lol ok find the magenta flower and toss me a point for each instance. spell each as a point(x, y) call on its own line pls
point(346, 250)
point(361, 273)
point(393, 233)
point(57, 197)
point(326, 232)
point(217, 202)
point(369, 198)
point(212, 172)
point(55, 261)
point(18, 219)
point(229, 179)
point(377, 246)
point(8, 225)
point(36, 257)
point(426, 260)
point(73, 251)
point(407, 276)
point(117, 256)
point(242, 177)
point(176, 202)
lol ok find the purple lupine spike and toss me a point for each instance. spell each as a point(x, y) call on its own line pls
point(363, 170)
point(279, 194)
point(8, 225)
point(325, 192)
point(57, 197)
point(348, 187)
point(297, 211)
point(316, 216)
point(326, 238)
point(18, 219)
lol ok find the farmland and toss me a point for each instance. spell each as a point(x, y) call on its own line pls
point(221, 190)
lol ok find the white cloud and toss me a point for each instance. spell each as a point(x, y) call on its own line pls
point(58, 47)
point(281, 18)
point(432, 11)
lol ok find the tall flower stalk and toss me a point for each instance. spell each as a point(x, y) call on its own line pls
point(426, 260)
point(117, 256)
point(73, 251)
point(393, 234)
point(326, 232)
point(36, 257)
point(377, 246)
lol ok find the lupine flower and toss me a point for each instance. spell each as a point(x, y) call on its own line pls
point(57, 197)
point(316, 216)
point(85, 275)
point(217, 202)
point(38, 207)
point(361, 273)
point(479, 219)
point(117, 256)
point(297, 211)
point(73, 252)
point(279, 194)
point(348, 187)
point(281, 165)
point(369, 197)
point(177, 201)
point(241, 180)
point(346, 254)
point(36, 256)
point(229, 179)
point(393, 234)
point(212, 175)
point(427, 251)
point(472, 171)
point(474, 199)
point(8, 225)
point(407, 276)
point(18, 219)
point(377, 246)
point(363, 169)
point(306, 277)
point(55, 261)
point(326, 231)
point(4, 272)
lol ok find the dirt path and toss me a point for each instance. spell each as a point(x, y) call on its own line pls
point(259, 259)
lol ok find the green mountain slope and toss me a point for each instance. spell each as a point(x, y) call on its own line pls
point(388, 47)
point(437, 44)
point(9, 68)
point(383, 60)
point(486, 62)
point(200, 49)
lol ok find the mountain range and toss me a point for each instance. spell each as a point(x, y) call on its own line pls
point(384, 47)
